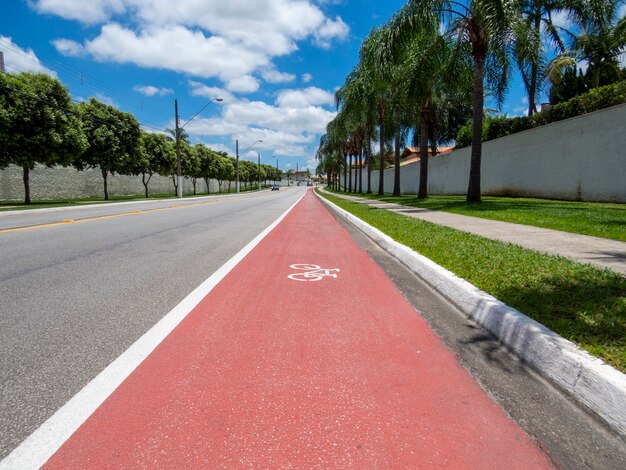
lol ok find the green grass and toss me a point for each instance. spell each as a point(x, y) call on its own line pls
point(581, 303)
point(604, 220)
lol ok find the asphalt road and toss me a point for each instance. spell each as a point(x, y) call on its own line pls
point(75, 295)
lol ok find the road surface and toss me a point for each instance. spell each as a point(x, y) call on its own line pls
point(284, 364)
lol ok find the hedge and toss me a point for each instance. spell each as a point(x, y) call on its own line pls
point(500, 126)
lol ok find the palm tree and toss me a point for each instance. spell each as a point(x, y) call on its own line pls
point(530, 46)
point(435, 68)
point(597, 37)
point(357, 97)
point(376, 78)
point(486, 25)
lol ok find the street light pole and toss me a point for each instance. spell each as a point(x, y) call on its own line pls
point(179, 128)
point(179, 171)
point(237, 165)
point(259, 170)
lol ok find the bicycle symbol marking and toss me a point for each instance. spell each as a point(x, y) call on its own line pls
point(311, 272)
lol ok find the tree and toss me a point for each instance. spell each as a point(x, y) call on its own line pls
point(486, 25)
point(114, 140)
point(190, 164)
point(376, 83)
point(207, 164)
point(38, 124)
point(598, 37)
point(226, 171)
point(533, 34)
point(156, 157)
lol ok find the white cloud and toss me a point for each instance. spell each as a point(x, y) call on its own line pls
point(214, 126)
point(243, 84)
point(211, 92)
point(93, 11)
point(274, 76)
point(331, 29)
point(175, 48)
point(303, 98)
point(218, 147)
point(18, 60)
point(307, 77)
point(284, 129)
point(150, 90)
point(201, 38)
point(106, 99)
point(68, 47)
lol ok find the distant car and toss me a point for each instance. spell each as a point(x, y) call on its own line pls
point(275, 188)
point(309, 183)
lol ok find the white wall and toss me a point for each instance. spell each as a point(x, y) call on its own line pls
point(61, 183)
point(583, 158)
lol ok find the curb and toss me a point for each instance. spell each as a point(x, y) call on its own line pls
point(598, 386)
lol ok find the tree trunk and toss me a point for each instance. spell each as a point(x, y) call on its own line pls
point(105, 177)
point(595, 80)
point(208, 188)
point(431, 133)
point(534, 71)
point(396, 170)
point(26, 178)
point(369, 165)
point(473, 188)
point(194, 181)
point(381, 175)
point(422, 192)
point(361, 169)
point(349, 172)
point(345, 173)
point(146, 182)
point(175, 181)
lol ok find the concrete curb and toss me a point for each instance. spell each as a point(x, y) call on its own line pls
point(595, 384)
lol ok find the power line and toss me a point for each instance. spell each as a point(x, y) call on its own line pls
point(70, 111)
point(87, 80)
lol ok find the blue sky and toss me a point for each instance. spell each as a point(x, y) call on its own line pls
point(276, 63)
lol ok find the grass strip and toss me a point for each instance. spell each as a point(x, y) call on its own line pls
point(582, 303)
point(598, 219)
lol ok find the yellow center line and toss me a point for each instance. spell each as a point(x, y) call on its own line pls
point(110, 216)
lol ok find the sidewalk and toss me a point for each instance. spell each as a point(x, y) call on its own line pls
point(600, 252)
point(271, 370)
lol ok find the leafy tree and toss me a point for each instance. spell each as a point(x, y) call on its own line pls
point(38, 124)
point(190, 164)
point(156, 157)
point(207, 164)
point(114, 140)
point(226, 171)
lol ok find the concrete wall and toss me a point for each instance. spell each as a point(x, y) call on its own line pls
point(583, 158)
point(61, 183)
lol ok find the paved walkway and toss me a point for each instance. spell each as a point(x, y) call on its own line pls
point(601, 252)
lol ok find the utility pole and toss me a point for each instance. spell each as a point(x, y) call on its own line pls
point(179, 172)
point(296, 174)
point(237, 165)
point(1, 62)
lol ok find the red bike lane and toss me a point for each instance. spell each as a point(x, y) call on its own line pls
point(270, 371)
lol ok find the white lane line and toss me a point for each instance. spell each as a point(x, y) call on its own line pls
point(36, 449)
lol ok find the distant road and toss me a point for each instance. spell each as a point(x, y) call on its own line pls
point(80, 285)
